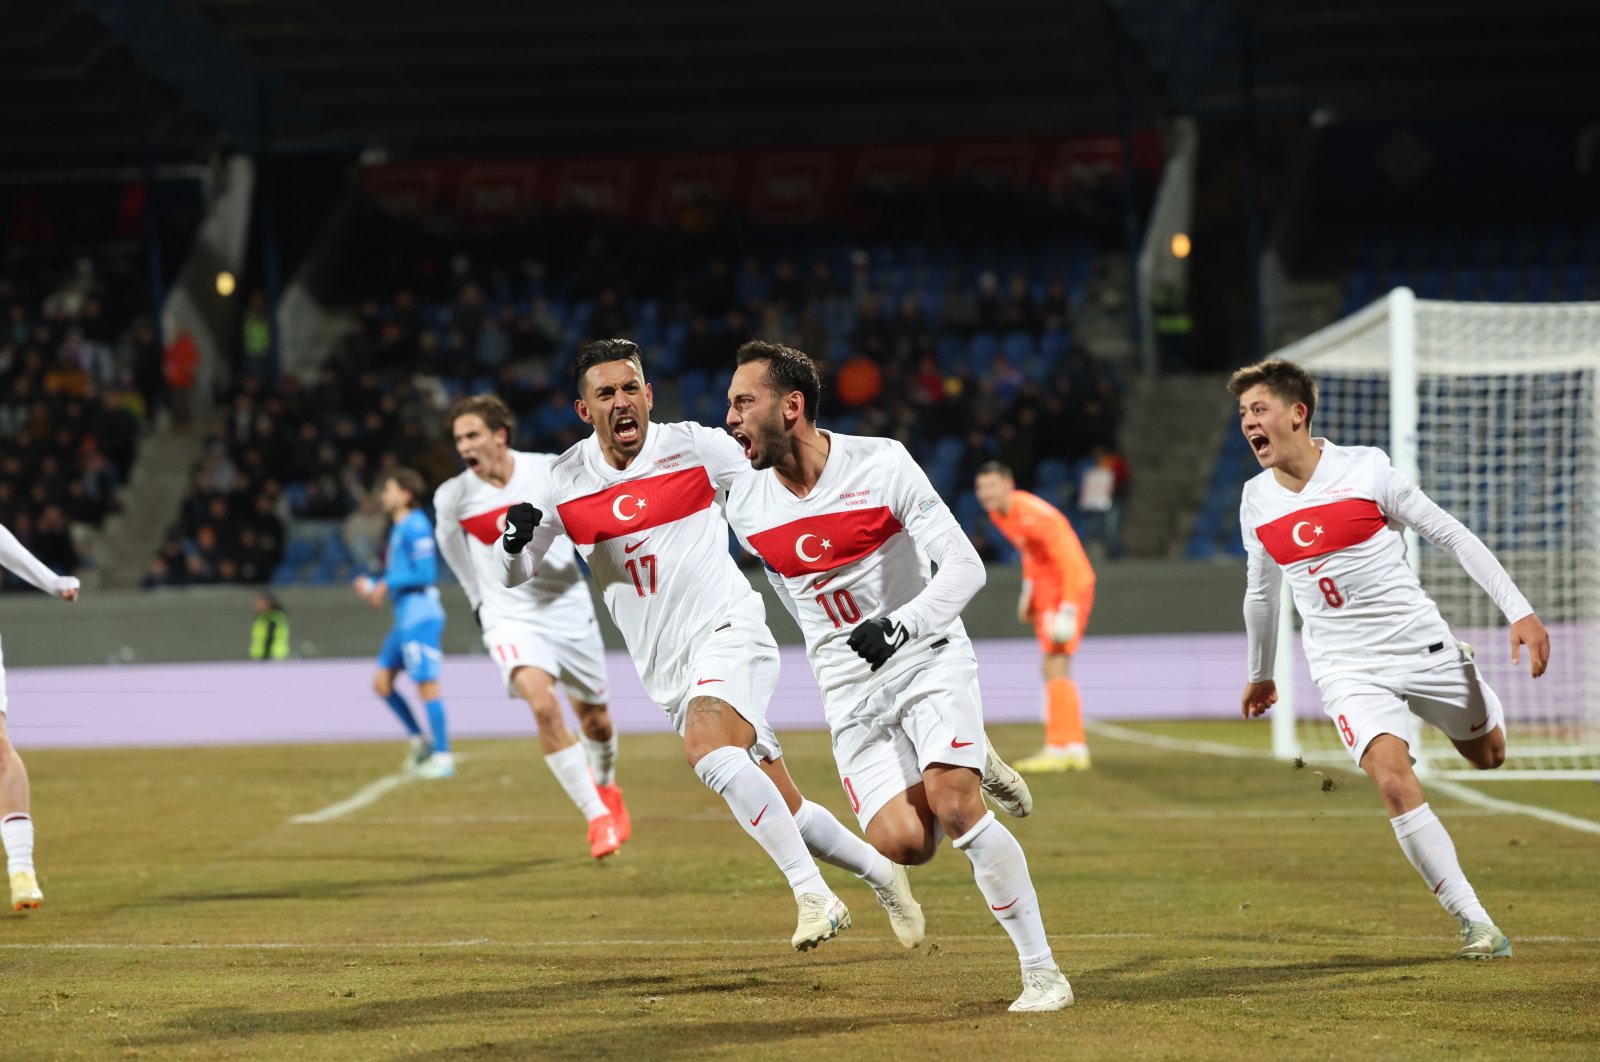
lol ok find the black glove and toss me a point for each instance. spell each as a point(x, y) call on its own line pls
point(876, 640)
point(521, 519)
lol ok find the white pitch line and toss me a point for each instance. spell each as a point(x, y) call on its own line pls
point(370, 794)
point(1472, 796)
point(760, 942)
point(1454, 789)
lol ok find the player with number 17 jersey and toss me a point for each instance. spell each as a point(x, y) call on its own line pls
point(656, 544)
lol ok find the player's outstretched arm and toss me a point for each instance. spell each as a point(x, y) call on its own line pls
point(15, 557)
point(1258, 697)
point(1530, 632)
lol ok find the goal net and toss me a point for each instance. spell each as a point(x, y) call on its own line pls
point(1491, 409)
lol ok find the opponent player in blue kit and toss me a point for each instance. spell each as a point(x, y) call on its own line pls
point(411, 571)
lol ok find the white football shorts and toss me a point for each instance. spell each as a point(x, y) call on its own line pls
point(1450, 694)
point(925, 715)
point(570, 652)
point(737, 664)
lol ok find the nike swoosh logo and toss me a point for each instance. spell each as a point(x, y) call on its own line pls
point(1316, 568)
point(820, 583)
point(1478, 726)
point(959, 744)
point(1007, 907)
point(703, 682)
point(899, 639)
point(634, 546)
point(1436, 888)
point(757, 821)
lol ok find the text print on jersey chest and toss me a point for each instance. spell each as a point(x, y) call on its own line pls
point(826, 541)
point(1319, 529)
point(637, 505)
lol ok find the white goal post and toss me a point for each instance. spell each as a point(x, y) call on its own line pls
point(1494, 410)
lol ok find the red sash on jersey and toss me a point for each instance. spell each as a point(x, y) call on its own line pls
point(1320, 529)
point(823, 543)
point(637, 505)
point(486, 527)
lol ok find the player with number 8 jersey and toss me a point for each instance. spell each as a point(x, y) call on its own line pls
point(639, 500)
point(842, 523)
point(1330, 519)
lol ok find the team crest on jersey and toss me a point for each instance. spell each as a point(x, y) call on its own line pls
point(486, 527)
point(637, 505)
point(821, 543)
point(1319, 529)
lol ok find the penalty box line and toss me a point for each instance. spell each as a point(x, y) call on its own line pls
point(1464, 793)
point(364, 797)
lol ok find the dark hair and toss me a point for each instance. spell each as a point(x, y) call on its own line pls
point(495, 413)
point(603, 350)
point(996, 468)
point(1282, 377)
point(410, 481)
point(787, 370)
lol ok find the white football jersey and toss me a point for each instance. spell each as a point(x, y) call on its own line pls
point(656, 543)
point(848, 551)
point(1340, 540)
point(468, 509)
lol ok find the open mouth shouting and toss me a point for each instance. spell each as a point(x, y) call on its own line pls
point(745, 441)
point(1260, 444)
point(625, 428)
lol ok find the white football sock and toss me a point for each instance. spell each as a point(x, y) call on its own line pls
point(571, 768)
point(17, 833)
point(1427, 844)
point(832, 842)
point(602, 758)
point(1002, 874)
point(733, 775)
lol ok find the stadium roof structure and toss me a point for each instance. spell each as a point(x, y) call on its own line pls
point(415, 78)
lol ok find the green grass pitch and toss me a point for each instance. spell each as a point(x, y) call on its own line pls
point(1204, 907)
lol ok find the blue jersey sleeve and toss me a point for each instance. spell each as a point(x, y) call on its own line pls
point(413, 561)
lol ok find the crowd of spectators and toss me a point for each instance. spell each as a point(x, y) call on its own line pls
point(79, 369)
point(927, 343)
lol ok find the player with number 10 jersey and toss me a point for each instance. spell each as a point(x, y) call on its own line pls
point(640, 502)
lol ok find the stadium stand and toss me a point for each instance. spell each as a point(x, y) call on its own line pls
point(80, 372)
point(963, 356)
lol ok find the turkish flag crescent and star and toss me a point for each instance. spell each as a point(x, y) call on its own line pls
point(825, 542)
point(637, 505)
point(1320, 529)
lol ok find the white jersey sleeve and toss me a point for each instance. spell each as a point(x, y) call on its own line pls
point(938, 538)
point(17, 558)
point(1262, 597)
point(1405, 502)
point(452, 539)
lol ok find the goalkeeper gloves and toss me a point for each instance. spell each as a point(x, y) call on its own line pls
point(876, 640)
point(1065, 626)
point(521, 519)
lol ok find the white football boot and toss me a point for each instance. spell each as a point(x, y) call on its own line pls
point(905, 913)
point(821, 918)
point(1042, 990)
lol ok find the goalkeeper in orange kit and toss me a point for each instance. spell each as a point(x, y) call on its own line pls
point(1057, 596)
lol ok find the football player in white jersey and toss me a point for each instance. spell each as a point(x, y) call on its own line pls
point(838, 520)
point(16, 824)
point(1331, 518)
point(640, 502)
point(542, 632)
